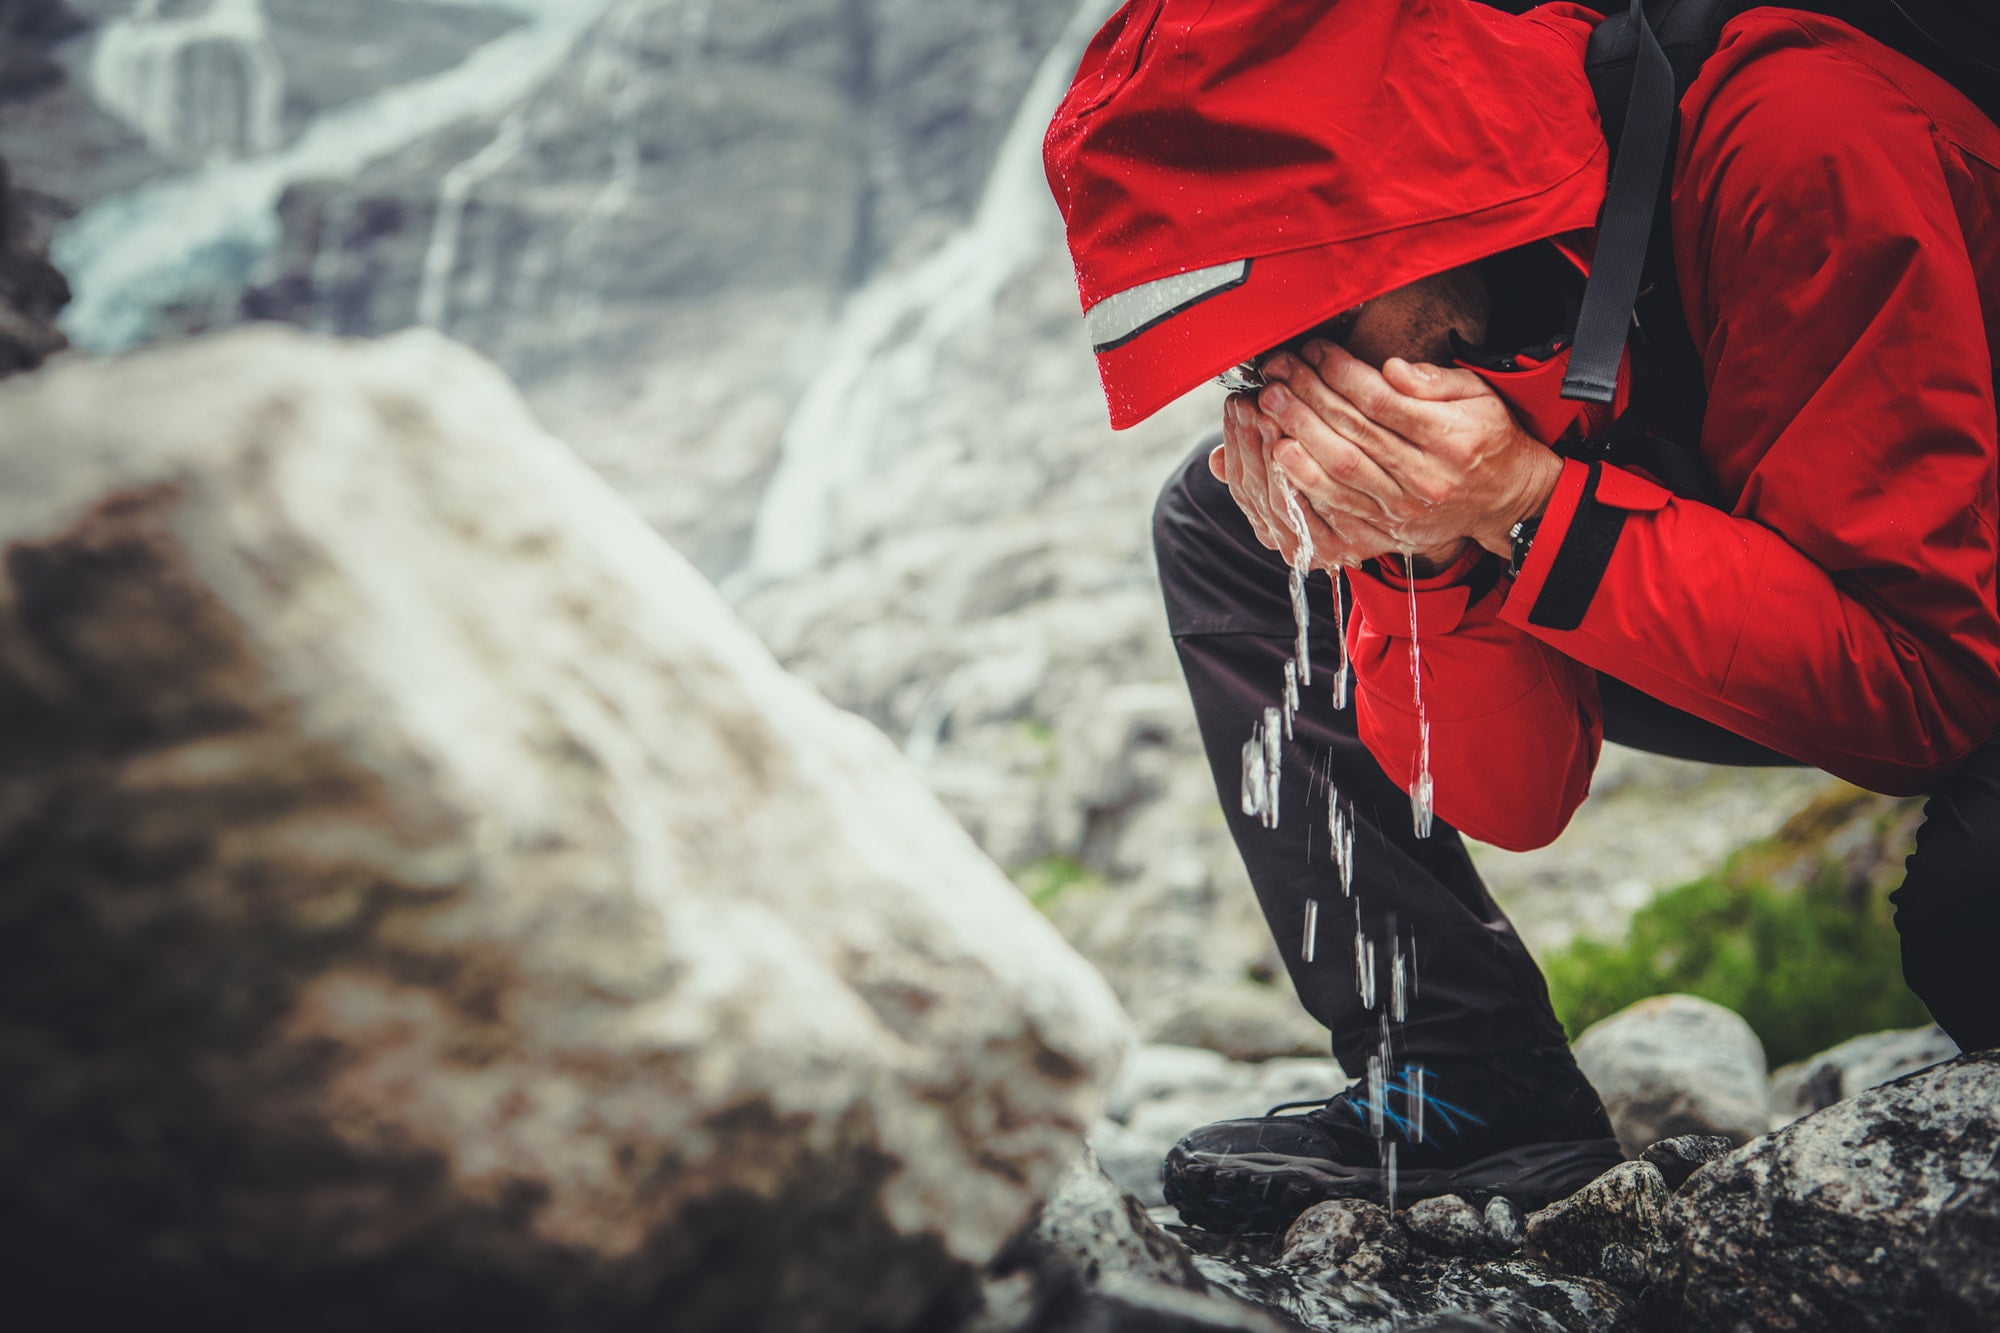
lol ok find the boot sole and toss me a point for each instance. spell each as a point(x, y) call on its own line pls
point(1251, 1193)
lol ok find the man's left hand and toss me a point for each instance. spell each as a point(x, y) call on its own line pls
point(1431, 455)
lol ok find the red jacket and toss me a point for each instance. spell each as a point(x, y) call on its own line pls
point(1836, 214)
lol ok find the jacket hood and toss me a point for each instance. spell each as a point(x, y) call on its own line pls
point(1233, 174)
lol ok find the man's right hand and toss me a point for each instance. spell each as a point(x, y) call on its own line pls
point(1243, 462)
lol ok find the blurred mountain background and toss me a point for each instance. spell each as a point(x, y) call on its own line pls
point(785, 273)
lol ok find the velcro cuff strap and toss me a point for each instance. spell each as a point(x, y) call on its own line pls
point(1579, 564)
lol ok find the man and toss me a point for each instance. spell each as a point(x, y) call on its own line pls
point(1386, 208)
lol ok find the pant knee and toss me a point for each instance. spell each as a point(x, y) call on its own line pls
point(1184, 512)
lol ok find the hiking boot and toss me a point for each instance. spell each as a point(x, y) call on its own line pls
point(1526, 1125)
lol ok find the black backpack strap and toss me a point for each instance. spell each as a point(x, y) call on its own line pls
point(1639, 63)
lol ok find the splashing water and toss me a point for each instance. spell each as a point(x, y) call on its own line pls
point(1340, 824)
point(1274, 764)
point(1415, 1075)
point(1301, 566)
point(1364, 968)
point(1291, 694)
point(1343, 676)
point(1384, 1060)
point(1421, 805)
point(1399, 997)
point(1263, 768)
point(1310, 944)
point(1378, 1087)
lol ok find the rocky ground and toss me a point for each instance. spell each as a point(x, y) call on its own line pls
point(1875, 1210)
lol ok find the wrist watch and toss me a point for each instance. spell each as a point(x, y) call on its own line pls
point(1520, 537)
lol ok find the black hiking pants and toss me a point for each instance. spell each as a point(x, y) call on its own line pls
point(1477, 990)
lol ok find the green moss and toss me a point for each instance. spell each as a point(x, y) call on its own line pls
point(1054, 877)
point(1037, 731)
point(1806, 967)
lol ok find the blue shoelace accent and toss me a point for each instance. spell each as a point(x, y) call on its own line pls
point(1448, 1114)
point(1438, 1111)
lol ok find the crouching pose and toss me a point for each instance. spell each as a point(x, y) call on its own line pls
point(1774, 544)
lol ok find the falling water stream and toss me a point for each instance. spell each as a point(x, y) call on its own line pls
point(1262, 766)
point(1420, 790)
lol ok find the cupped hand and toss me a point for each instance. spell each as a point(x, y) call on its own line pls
point(1243, 462)
point(1428, 456)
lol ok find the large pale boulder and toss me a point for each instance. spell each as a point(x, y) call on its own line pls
point(1855, 1065)
point(426, 906)
point(1880, 1212)
point(1674, 1065)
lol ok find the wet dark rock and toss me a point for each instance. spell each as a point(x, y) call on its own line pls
point(1880, 1212)
point(1447, 1225)
point(1520, 1294)
point(1607, 1229)
point(1094, 1260)
point(1360, 1237)
point(1680, 1157)
point(1673, 1065)
point(1504, 1224)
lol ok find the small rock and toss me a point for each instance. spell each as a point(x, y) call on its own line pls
point(1853, 1067)
point(1360, 1237)
point(1677, 1064)
point(1624, 1207)
point(1682, 1156)
point(1446, 1224)
point(1503, 1224)
point(1622, 1266)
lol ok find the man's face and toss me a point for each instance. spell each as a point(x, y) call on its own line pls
point(1414, 322)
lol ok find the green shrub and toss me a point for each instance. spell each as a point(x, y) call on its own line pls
point(1052, 877)
point(1806, 967)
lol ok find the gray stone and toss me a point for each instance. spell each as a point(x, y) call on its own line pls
point(1446, 1224)
point(1504, 1225)
point(1673, 1065)
point(441, 905)
point(1678, 1158)
point(1854, 1066)
point(1879, 1212)
point(1361, 1238)
point(1607, 1230)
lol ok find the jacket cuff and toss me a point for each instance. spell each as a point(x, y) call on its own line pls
point(1573, 547)
point(1382, 593)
